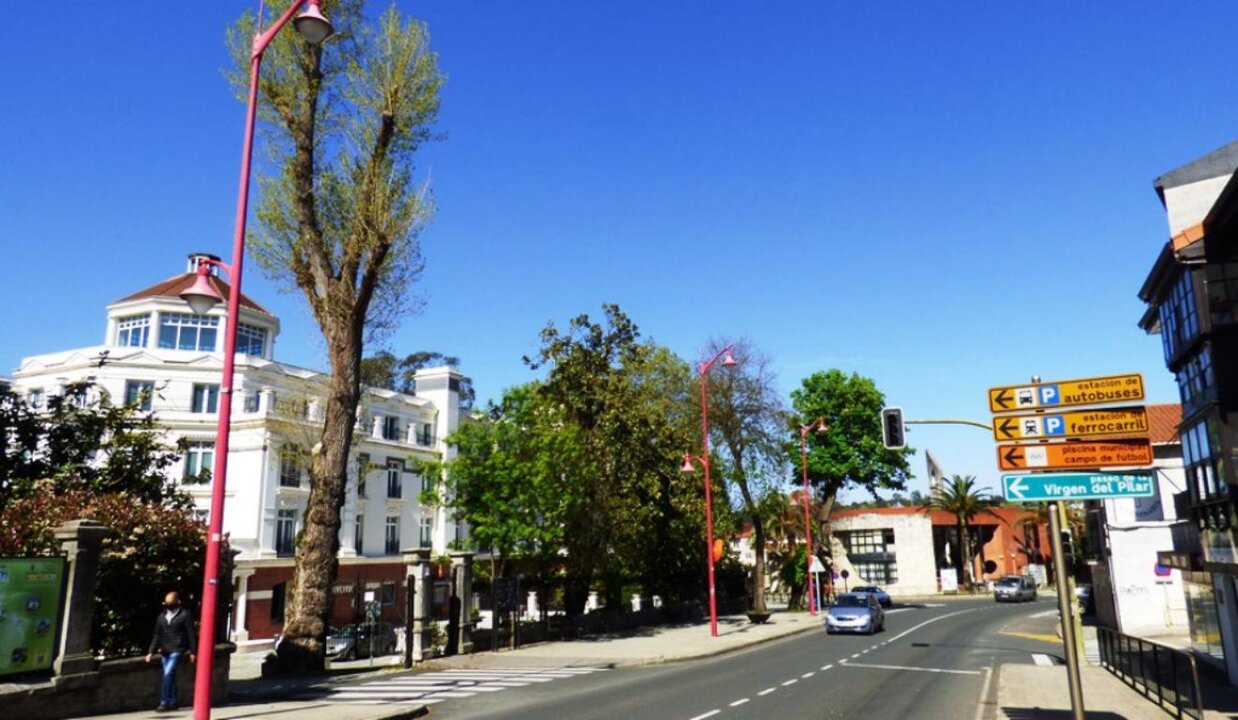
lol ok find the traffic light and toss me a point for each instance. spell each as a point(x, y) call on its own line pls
point(892, 431)
point(1068, 548)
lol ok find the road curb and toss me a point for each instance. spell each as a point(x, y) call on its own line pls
point(406, 713)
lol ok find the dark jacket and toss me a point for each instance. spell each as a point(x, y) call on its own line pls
point(177, 635)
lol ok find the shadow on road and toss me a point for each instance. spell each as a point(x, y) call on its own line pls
point(1018, 713)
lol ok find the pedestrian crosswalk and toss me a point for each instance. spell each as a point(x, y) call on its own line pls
point(434, 687)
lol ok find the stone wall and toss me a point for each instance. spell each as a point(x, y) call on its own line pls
point(123, 685)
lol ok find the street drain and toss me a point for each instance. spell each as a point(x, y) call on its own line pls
point(920, 645)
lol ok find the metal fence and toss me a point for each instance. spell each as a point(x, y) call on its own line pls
point(1164, 675)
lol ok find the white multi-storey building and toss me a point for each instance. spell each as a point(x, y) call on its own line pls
point(158, 353)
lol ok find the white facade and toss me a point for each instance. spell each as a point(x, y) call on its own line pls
point(911, 551)
point(276, 416)
point(1145, 603)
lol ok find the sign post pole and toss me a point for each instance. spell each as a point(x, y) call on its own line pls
point(1064, 606)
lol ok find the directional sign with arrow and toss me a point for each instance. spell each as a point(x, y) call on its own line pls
point(1075, 455)
point(1076, 486)
point(1081, 423)
point(1067, 393)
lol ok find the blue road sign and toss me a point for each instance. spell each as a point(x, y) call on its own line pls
point(1076, 486)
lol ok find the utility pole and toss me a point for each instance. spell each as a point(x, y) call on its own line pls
point(1065, 606)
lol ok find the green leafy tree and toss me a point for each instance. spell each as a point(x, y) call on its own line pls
point(627, 399)
point(84, 456)
point(850, 454)
point(960, 498)
point(511, 480)
point(339, 220)
point(83, 440)
point(747, 421)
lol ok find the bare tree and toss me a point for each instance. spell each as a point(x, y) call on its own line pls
point(747, 421)
point(339, 220)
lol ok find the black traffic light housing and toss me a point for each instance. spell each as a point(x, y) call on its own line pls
point(893, 434)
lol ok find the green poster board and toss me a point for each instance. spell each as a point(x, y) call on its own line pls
point(30, 597)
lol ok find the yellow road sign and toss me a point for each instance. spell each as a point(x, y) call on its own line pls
point(1067, 393)
point(1128, 421)
point(1075, 455)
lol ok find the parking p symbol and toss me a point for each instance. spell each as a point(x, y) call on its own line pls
point(1048, 395)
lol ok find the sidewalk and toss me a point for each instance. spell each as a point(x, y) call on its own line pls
point(259, 698)
point(644, 646)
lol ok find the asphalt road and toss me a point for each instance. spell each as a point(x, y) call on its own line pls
point(930, 662)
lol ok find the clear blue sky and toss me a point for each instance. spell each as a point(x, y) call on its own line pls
point(941, 197)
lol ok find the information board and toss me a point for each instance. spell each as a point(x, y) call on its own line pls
point(30, 596)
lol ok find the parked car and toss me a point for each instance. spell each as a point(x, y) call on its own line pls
point(353, 641)
point(1015, 588)
point(855, 612)
point(882, 596)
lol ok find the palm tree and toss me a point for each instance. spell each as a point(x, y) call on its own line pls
point(960, 498)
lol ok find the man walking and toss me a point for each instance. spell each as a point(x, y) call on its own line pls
point(174, 636)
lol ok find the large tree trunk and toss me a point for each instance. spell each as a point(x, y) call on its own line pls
point(758, 570)
point(963, 557)
point(311, 595)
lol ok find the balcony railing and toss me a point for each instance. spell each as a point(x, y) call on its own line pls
point(1164, 675)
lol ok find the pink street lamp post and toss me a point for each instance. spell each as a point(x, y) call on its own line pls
point(819, 426)
point(201, 298)
point(703, 459)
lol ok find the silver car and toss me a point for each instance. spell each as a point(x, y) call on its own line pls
point(1015, 588)
point(855, 612)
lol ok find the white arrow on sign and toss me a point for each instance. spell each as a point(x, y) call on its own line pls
point(815, 566)
point(1016, 488)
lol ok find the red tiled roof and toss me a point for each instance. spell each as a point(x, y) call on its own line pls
point(173, 286)
point(1163, 419)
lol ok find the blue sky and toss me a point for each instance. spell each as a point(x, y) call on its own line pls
point(944, 197)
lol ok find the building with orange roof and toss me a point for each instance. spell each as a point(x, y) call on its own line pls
point(905, 549)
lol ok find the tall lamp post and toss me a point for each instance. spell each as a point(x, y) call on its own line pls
point(818, 426)
point(202, 296)
point(703, 459)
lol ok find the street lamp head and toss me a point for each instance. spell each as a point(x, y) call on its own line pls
point(201, 296)
point(821, 426)
point(728, 360)
point(312, 24)
point(687, 466)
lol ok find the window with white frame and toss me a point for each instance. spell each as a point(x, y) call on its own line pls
point(138, 393)
point(133, 330)
point(205, 398)
point(289, 468)
point(185, 331)
point(363, 468)
point(199, 456)
point(426, 437)
point(285, 532)
point(358, 535)
point(426, 536)
point(395, 478)
point(391, 428)
point(250, 339)
point(35, 398)
point(392, 545)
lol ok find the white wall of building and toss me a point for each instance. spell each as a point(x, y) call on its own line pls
point(913, 550)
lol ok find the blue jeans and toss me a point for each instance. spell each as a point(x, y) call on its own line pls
point(167, 690)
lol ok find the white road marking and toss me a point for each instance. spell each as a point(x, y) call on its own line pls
point(826, 667)
point(739, 702)
point(984, 693)
point(1041, 659)
point(909, 631)
point(808, 675)
point(711, 713)
point(855, 656)
point(916, 669)
point(792, 681)
point(767, 691)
